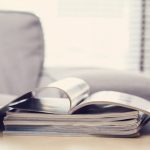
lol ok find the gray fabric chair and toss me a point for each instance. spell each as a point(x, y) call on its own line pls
point(21, 52)
point(22, 56)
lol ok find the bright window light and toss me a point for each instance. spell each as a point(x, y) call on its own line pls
point(84, 33)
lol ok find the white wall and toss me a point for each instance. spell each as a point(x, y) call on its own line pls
point(81, 32)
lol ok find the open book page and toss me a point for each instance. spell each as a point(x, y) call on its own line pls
point(46, 105)
point(75, 89)
point(116, 98)
point(72, 91)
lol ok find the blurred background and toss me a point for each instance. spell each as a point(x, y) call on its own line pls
point(92, 33)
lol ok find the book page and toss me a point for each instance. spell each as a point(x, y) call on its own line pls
point(75, 89)
point(117, 98)
point(46, 105)
point(58, 97)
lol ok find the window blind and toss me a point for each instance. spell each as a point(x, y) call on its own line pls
point(102, 33)
point(145, 37)
point(140, 36)
point(135, 57)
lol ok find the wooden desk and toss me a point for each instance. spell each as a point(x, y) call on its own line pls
point(73, 143)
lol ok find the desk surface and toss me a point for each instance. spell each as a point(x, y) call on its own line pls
point(73, 143)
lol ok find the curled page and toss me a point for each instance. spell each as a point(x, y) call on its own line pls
point(58, 97)
point(75, 89)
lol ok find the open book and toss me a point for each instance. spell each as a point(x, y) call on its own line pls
point(66, 107)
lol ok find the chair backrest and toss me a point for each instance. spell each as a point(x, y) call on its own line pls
point(21, 52)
